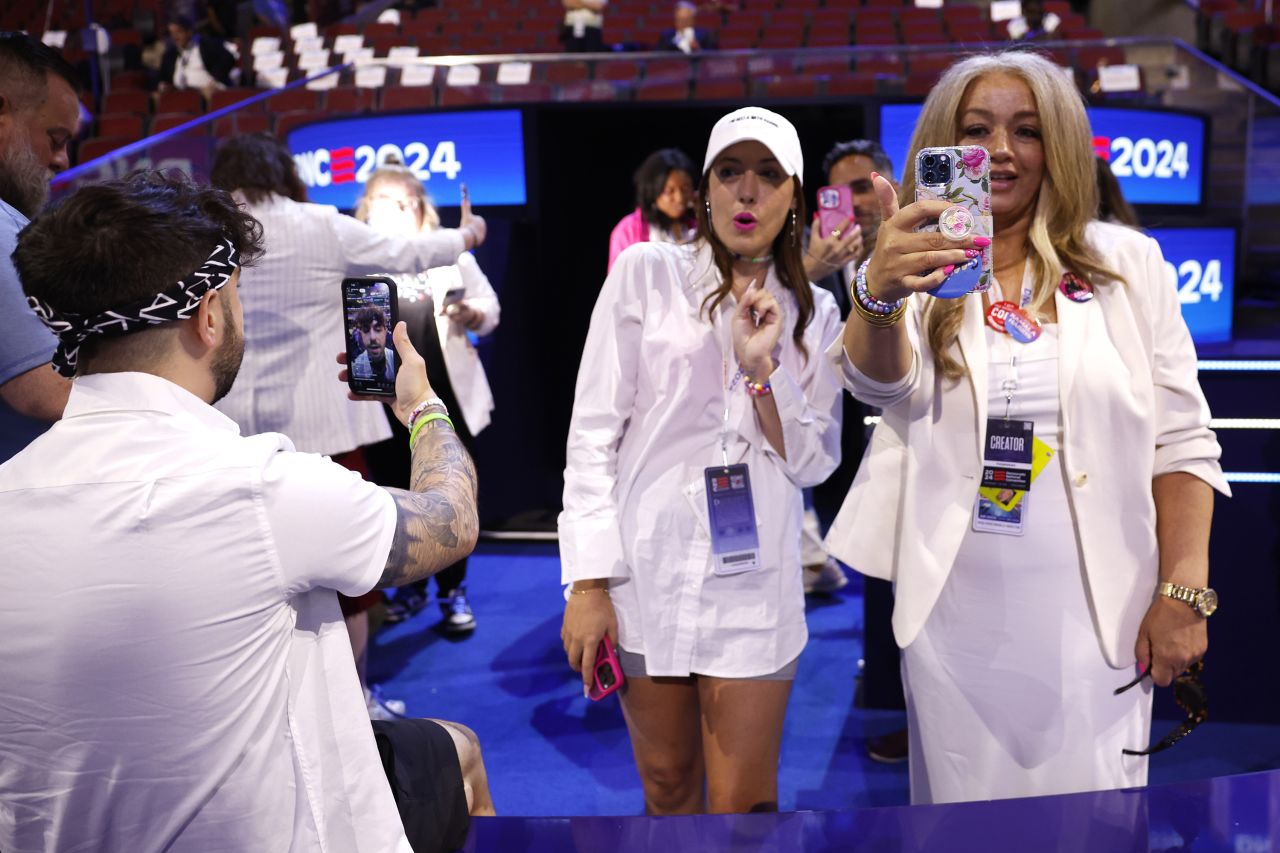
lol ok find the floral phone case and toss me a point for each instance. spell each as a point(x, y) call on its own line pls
point(960, 174)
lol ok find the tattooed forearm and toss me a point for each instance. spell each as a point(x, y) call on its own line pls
point(438, 523)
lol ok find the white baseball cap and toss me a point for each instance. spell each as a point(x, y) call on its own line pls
point(760, 125)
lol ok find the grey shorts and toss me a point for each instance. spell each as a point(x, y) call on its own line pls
point(633, 667)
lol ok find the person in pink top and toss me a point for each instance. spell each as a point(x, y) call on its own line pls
point(664, 204)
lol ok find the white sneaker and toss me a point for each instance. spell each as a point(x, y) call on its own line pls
point(383, 709)
point(827, 577)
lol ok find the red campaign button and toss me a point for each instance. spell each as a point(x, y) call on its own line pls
point(1022, 327)
point(997, 314)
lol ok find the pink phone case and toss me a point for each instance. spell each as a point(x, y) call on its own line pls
point(608, 674)
point(835, 208)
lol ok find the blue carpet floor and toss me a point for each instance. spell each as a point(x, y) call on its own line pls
point(551, 752)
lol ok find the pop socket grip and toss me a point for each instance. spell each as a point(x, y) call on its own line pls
point(956, 222)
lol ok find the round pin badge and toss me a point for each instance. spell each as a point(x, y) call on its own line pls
point(1021, 327)
point(998, 313)
point(1075, 288)
point(956, 222)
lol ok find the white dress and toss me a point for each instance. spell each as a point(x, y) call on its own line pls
point(1008, 692)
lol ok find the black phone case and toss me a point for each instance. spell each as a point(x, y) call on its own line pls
point(368, 387)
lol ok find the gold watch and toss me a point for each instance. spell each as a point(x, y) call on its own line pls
point(1203, 601)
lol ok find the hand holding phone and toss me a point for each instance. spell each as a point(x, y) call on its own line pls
point(369, 314)
point(608, 675)
point(961, 176)
point(472, 226)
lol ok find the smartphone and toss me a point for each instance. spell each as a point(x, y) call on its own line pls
point(608, 676)
point(835, 208)
point(960, 174)
point(453, 296)
point(369, 314)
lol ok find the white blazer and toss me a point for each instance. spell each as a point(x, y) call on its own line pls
point(1132, 409)
point(466, 373)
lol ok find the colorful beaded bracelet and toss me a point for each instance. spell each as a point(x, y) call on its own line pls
point(869, 308)
point(759, 389)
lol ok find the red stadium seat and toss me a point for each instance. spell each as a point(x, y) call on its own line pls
point(122, 126)
point(301, 99)
point(92, 149)
point(526, 93)
point(783, 37)
point(851, 85)
point(668, 69)
point(179, 101)
point(227, 97)
point(712, 66)
point(560, 73)
point(662, 91)
point(287, 121)
point(168, 121)
point(616, 70)
point(129, 80)
point(457, 96)
point(127, 101)
point(835, 64)
point(720, 90)
point(349, 100)
point(408, 98)
point(791, 87)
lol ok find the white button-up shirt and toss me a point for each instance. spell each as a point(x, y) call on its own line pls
point(293, 322)
point(176, 673)
point(647, 420)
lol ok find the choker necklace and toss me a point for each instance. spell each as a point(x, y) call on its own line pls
point(763, 259)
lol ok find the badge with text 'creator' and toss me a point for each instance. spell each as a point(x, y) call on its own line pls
point(1007, 457)
point(735, 542)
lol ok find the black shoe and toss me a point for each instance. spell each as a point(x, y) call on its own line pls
point(888, 749)
point(407, 604)
point(458, 618)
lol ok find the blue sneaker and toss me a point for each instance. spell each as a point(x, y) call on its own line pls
point(458, 618)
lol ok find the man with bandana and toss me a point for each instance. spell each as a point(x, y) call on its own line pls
point(39, 112)
point(176, 671)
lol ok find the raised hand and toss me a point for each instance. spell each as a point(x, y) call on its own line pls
point(757, 326)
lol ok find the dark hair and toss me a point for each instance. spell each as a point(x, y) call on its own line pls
point(366, 317)
point(110, 244)
point(859, 147)
point(651, 178)
point(186, 22)
point(258, 166)
point(1112, 205)
point(27, 63)
point(788, 259)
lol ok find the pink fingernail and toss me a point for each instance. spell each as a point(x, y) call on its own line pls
point(971, 253)
point(948, 269)
point(982, 242)
point(1142, 668)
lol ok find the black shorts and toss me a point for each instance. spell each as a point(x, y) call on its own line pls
point(422, 766)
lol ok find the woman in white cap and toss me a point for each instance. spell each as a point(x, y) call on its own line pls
point(702, 408)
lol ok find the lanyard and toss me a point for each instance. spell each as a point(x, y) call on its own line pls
point(1010, 383)
point(728, 382)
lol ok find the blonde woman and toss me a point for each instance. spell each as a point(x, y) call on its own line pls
point(1016, 627)
point(700, 357)
point(444, 308)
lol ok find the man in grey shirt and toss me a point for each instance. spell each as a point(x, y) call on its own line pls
point(39, 112)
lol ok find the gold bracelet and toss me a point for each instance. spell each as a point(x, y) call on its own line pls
point(880, 321)
point(603, 589)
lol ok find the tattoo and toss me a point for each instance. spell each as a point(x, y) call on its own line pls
point(437, 522)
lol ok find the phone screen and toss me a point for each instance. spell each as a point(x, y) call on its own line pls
point(369, 315)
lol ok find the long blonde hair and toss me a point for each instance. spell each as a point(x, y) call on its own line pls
point(404, 176)
point(1068, 199)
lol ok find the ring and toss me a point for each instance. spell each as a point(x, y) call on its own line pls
point(835, 232)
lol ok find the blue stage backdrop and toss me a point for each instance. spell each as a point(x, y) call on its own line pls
point(1158, 156)
point(1204, 262)
point(483, 149)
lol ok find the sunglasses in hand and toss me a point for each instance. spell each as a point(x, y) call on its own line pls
point(1188, 692)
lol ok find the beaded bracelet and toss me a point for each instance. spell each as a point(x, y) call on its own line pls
point(422, 407)
point(869, 308)
point(423, 421)
point(759, 389)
